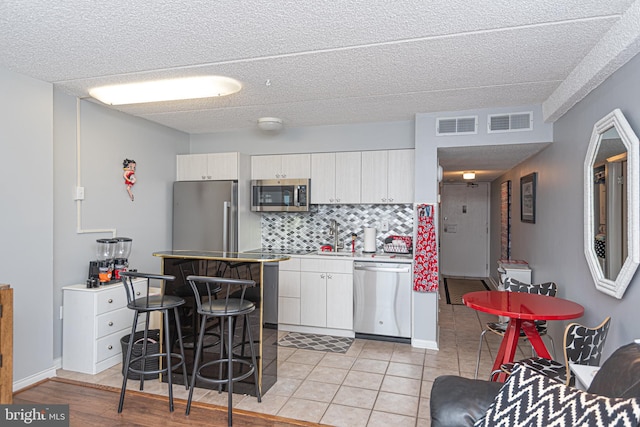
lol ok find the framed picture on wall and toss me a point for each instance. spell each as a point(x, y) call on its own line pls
point(528, 198)
point(505, 220)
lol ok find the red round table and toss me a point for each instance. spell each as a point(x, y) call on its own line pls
point(522, 309)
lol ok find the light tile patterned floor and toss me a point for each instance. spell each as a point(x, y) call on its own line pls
point(375, 383)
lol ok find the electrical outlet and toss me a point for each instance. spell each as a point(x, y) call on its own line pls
point(79, 193)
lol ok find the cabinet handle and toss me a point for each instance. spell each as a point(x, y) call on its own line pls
point(204, 177)
point(391, 200)
point(277, 175)
point(138, 293)
point(338, 200)
point(322, 276)
point(110, 347)
point(329, 276)
point(284, 175)
point(110, 323)
point(208, 176)
point(110, 300)
point(331, 200)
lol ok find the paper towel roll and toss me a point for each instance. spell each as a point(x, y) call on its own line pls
point(369, 239)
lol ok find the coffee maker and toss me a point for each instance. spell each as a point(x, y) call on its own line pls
point(121, 256)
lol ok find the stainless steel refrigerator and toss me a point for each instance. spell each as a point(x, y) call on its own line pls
point(213, 216)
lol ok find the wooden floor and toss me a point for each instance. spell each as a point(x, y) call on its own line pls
point(96, 405)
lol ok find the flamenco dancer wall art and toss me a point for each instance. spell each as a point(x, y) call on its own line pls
point(129, 167)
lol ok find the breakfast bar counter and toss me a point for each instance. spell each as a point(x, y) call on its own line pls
point(238, 265)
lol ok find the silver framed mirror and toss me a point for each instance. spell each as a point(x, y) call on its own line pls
point(611, 228)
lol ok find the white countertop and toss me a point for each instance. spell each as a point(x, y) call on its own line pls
point(362, 256)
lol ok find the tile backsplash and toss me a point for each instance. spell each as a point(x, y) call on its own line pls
point(310, 230)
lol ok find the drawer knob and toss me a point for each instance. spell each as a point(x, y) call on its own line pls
point(110, 323)
point(110, 347)
point(110, 300)
point(138, 293)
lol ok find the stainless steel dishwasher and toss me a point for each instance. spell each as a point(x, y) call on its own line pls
point(382, 298)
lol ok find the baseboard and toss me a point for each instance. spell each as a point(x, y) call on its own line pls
point(429, 345)
point(35, 378)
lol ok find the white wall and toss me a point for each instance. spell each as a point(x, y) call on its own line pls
point(554, 244)
point(107, 137)
point(26, 225)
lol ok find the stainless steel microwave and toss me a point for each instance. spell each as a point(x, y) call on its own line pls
point(280, 195)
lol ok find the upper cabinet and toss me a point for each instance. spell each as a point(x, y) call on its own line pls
point(211, 166)
point(387, 176)
point(281, 166)
point(335, 178)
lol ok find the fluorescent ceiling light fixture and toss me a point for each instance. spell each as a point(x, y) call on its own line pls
point(166, 90)
point(469, 175)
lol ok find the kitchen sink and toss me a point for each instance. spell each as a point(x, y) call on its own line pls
point(339, 253)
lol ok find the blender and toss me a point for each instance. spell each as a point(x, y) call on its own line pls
point(105, 253)
point(121, 256)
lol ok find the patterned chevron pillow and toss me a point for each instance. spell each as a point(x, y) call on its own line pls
point(530, 399)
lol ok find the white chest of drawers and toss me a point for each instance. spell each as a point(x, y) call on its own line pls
point(93, 322)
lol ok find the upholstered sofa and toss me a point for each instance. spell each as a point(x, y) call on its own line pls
point(457, 401)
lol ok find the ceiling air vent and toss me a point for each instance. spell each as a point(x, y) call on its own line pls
point(513, 122)
point(457, 125)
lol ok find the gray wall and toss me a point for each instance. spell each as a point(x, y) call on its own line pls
point(107, 137)
point(425, 305)
point(26, 225)
point(554, 244)
point(312, 139)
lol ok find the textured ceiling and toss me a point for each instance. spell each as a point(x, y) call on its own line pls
point(309, 62)
point(487, 161)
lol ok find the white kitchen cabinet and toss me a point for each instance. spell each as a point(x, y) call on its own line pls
point(340, 300)
point(387, 176)
point(313, 299)
point(326, 293)
point(289, 292)
point(94, 321)
point(335, 178)
point(209, 166)
point(281, 166)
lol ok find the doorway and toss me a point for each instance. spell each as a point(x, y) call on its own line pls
point(464, 229)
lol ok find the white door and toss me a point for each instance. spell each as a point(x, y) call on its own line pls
point(464, 230)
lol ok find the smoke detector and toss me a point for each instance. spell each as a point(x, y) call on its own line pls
point(270, 124)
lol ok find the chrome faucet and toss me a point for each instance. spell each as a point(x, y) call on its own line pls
point(333, 231)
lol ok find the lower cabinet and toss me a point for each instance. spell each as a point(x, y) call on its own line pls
point(93, 322)
point(289, 292)
point(316, 292)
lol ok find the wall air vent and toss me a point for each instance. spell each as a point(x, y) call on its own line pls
point(457, 125)
point(514, 122)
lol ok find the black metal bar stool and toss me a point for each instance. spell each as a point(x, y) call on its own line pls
point(227, 309)
point(189, 268)
point(149, 304)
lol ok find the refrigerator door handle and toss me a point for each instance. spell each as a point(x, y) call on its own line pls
point(225, 226)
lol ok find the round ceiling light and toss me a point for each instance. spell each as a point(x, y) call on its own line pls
point(271, 124)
